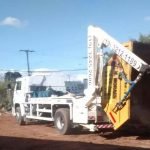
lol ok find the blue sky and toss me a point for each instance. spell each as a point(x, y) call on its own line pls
point(57, 29)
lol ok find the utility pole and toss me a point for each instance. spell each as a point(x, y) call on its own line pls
point(27, 55)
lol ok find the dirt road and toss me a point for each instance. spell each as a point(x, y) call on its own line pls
point(45, 137)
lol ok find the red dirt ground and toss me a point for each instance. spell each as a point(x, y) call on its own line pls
point(45, 137)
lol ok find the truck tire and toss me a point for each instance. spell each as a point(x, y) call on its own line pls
point(19, 118)
point(62, 121)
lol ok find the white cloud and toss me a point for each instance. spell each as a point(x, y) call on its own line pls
point(79, 77)
point(64, 76)
point(41, 71)
point(147, 18)
point(12, 21)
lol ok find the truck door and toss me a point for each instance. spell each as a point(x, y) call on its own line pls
point(114, 88)
point(19, 95)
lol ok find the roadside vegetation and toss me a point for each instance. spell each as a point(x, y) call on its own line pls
point(6, 90)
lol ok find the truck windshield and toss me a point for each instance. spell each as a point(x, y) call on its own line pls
point(44, 91)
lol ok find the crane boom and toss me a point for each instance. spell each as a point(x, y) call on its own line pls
point(104, 39)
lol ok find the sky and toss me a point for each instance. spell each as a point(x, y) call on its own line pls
point(57, 29)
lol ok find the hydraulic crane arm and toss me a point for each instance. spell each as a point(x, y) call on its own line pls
point(103, 38)
point(97, 40)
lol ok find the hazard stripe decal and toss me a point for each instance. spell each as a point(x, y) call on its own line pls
point(105, 126)
point(112, 117)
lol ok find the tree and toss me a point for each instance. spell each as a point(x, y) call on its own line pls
point(144, 38)
point(6, 89)
point(17, 75)
point(11, 76)
point(5, 101)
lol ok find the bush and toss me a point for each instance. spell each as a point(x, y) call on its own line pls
point(5, 96)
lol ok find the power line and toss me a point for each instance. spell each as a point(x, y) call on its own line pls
point(27, 55)
point(45, 71)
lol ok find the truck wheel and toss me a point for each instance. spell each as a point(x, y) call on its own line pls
point(62, 120)
point(19, 118)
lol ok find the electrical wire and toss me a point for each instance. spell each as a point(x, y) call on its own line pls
point(43, 71)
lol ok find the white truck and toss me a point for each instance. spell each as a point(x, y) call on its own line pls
point(96, 110)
